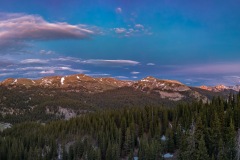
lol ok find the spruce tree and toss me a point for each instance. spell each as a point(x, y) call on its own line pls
point(231, 142)
point(201, 153)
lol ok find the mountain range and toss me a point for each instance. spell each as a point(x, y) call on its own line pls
point(68, 96)
point(166, 89)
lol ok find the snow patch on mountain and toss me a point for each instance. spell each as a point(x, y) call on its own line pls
point(62, 80)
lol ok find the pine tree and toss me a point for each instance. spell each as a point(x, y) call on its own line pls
point(221, 153)
point(231, 142)
point(71, 153)
point(238, 143)
point(170, 140)
point(182, 148)
point(128, 144)
point(198, 132)
point(142, 152)
point(201, 153)
point(98, 154)
point(214, 135)
point(64, 153)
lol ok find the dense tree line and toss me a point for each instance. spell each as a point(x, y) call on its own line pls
point(21, 104)
point(195, 130)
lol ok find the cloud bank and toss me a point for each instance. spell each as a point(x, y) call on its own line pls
point(17, 29)
point(38, 67)
point(34, 27)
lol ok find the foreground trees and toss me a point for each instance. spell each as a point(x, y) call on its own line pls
point(191, 131)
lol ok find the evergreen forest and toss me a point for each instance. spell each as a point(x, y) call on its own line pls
point(196, 130)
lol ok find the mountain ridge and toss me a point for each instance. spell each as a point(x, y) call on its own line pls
point(65, 81)
point(166, 89)
point(221, 87)
point(79, 93)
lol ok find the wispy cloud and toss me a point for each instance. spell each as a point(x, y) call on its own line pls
point(37, 67)
point(19, 71)
point(139, 26)
point(67, 59)
point(150, 64)
point(5, 63)
point(119, 30)
point(34, 61)
point(132, 30)
point(49, 68)
point(44, 52)
point(119, 62)
point(47, 72)
point(100, 62)
point(134, 72)
point(233, 79)
point(6, 74)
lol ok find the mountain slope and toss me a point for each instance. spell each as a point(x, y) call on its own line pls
point(69, 96)
point(80, 83)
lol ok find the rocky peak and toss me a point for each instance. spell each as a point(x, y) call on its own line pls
point(7, 82)
point(18, 82)
point(52, 81)
point(151, 83)
point(114, 82)
point(149, 79)
point(221, 87)
point(206, 88)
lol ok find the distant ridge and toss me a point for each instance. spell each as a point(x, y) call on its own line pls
point(166, 89)
point(220, 88)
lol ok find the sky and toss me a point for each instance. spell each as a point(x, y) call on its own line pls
point(195, 42)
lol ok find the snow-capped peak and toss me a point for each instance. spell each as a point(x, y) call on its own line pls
point(62, 80)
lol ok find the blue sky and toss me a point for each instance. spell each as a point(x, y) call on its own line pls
point(195, 42)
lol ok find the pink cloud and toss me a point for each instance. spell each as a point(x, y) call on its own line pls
point(18, 29)
point(33, 27)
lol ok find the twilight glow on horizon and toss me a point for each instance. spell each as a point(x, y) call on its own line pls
point(195, 42)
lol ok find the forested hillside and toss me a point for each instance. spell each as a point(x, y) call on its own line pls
point(46, 104)
point(190, 131)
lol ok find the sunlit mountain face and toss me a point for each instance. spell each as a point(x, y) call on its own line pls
point(194, 42)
